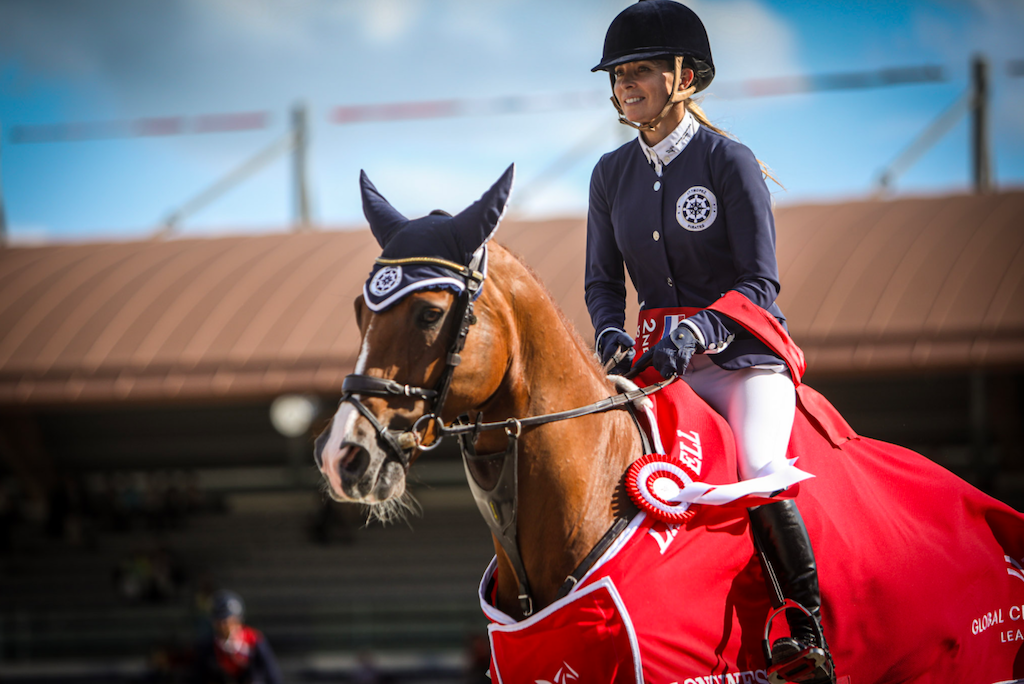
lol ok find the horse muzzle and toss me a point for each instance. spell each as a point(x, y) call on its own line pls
point(356, 468)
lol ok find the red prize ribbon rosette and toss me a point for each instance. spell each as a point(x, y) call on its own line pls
point(654, 481)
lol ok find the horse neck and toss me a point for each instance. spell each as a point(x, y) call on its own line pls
point(569, 471)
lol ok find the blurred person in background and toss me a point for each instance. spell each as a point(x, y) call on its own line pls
point(235, 653)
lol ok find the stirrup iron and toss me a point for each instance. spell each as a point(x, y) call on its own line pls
point(808, 664)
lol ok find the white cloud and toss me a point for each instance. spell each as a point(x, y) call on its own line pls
point(748, 39)
point(387, 21)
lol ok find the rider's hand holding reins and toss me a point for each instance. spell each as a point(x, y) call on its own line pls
point(674, 351)
point(616, 350)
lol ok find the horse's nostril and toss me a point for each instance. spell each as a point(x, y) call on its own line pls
point(354, 463)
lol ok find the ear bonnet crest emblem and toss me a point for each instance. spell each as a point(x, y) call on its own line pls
point(386, 280)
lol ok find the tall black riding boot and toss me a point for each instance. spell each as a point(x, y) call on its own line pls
point(780, 531)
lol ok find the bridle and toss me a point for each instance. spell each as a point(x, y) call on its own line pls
point(496, 500)
point(402, 443)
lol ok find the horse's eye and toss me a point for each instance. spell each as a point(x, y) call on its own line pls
point(429, 318)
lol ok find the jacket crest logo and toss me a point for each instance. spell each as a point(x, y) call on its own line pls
point(386, 280)
point(696, 209)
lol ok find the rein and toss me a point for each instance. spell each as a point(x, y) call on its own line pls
point(496, 497)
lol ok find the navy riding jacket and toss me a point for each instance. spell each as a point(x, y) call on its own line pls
point(703, 228)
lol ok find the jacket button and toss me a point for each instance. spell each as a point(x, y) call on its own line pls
point(669, 281)
point(657, 185)
point(657, 236)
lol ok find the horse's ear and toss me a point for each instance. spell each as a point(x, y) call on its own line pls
point(476, 224)
point(384, 219)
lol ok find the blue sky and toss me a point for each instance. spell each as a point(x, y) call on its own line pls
point(102, 60)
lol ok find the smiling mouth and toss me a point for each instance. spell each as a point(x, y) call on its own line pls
point(632, 100)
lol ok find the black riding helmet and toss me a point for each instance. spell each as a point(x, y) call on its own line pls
point(653, 29)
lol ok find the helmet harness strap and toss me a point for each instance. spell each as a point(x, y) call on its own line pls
point(674, 99)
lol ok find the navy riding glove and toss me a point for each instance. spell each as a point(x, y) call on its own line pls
point(673, 352)
point(611, 343)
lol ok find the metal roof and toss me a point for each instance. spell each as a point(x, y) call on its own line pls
point(878, 286)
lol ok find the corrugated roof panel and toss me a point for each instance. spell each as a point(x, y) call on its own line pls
point(328, 328)
point(1006, 307)
point(276, 321)
point(188, 314)
point(868, 274)
point(54, 296)
point(148, 304)
point(246, 297)
point(981, 265)
point(910, 286)
point(906, 284)
point(86, 316)
point(808, 279)
point(235, 300)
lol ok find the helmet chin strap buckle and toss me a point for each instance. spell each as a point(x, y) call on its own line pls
point(675, 99)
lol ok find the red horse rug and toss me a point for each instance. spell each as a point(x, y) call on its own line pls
point(920, 573)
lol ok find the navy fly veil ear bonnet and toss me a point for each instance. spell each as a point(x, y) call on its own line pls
point(430, 252)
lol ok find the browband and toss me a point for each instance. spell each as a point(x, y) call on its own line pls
point(464, 271)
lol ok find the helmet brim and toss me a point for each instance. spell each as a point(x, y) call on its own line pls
point(612, 62)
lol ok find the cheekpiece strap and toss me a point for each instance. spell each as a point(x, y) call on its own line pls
point(464, 319)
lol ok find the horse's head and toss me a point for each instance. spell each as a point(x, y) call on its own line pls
point(418, 298)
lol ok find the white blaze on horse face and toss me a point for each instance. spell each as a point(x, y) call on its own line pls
point(343, 423)
point(364, 352)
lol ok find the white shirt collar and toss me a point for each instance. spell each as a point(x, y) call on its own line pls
point(668, 149)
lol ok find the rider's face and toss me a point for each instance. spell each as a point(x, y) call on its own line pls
point(227, 627)
point(642, 88)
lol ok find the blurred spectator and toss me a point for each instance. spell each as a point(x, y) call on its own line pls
point(236, 653)
point(152, 576)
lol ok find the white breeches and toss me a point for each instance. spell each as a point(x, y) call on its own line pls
point(759, 405)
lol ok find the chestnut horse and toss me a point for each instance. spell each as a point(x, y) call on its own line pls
point(453, 325)
point(522, 358)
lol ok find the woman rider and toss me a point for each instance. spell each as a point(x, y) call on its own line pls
point(687, 210)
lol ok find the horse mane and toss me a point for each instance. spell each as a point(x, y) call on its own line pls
point(570, 327)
